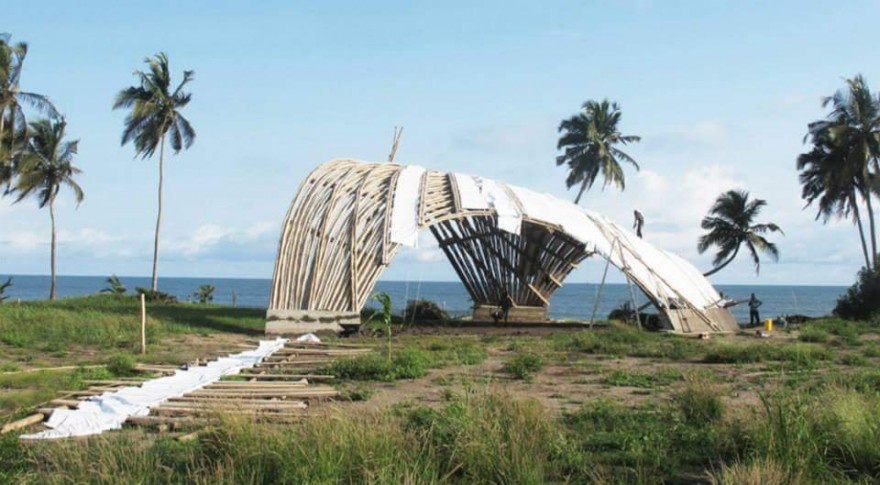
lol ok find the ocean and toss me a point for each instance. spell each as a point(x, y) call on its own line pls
point(572, 301)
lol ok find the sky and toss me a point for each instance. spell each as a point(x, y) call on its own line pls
point(720, 92)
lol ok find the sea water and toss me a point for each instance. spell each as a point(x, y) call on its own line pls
point(572, 301)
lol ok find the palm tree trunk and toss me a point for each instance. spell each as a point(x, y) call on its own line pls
point(871, 225)
point(52, 287)
point(155, 285)
point(580, 192)
point(858, 217)
point(722, 265)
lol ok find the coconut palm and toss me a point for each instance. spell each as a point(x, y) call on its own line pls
point(44, 168)
point(114, 286)
point(155, 114)
point(730, 224)
point(591, 139)
point(12, 116)
point(853, 125)
point(833, 183)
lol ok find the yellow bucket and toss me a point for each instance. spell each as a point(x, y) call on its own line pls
point(768, 325)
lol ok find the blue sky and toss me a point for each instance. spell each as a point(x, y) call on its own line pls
point(720, 92)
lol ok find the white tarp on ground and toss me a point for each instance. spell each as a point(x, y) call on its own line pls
point(111, 409)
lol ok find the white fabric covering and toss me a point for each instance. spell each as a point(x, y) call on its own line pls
point(469, 193)
point(506, 210)
point(111, 409)
point(405, 212)
point(667, 278)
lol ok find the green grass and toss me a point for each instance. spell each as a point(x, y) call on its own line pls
point(522, 366)
point(110, 322)
point(644, 380)
point(408, 363)
point(807, 355)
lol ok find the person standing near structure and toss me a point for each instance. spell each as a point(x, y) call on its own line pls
point(505, 304)
point(754, 316)
point(638, 223)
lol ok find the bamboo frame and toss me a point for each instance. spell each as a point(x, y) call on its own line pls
point(336, 241)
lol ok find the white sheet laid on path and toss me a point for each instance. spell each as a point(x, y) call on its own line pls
point(111, 409)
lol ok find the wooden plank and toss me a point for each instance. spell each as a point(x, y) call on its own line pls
point(23, 423)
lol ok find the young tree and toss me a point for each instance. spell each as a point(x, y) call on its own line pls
point(44, 168)
point(591, 139)
point(155, 115)
point(731, 222)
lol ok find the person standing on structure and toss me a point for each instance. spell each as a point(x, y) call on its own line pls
point(638, 223)
point(754, 316)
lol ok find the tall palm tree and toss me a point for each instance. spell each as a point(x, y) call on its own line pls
point(44, 168)
point(833, 183)
point(854, 125)
point(730, 224)
point(590, 139)
point(155, 114)
point(12, 116)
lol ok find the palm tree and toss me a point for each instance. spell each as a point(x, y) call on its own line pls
point(44, 168)
point(155, 114)
point(730, 224)
point(115, 286)
point(854, 126)
point(12, 58)
point(590, 139)
point(829, 179)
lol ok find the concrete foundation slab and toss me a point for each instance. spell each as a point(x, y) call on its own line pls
point(293, 322)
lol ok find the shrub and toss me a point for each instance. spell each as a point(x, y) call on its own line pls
point(410, 363)
point(156, 296)
point(121, 365)
point(699, 402)
point(811, 334)
point(424, 311)
point(523, 365)
point(862, 299)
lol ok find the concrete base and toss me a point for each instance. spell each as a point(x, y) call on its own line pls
point(293, 322)
point(519, 314)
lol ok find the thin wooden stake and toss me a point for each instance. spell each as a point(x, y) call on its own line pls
point(143, 324)
point(395, 142)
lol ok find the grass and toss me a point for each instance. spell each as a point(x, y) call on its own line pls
point(644, 380)
point(101, 330)
point(522, 366)
point(701, 421)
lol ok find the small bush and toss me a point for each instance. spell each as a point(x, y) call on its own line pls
point(121, 365)
point(642, 380)
point(522, 366)
point(759, 471)
point(815, 335)
point(862, 299)
point(410, 363)
point(699, 402)
point(421, 311)
point(854, 360)
point(156, 296)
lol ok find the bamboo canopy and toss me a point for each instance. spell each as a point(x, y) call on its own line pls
point(350, 217)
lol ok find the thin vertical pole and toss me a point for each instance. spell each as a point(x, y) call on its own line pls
point(632, 294)
point(601, 285)
point(143, 324)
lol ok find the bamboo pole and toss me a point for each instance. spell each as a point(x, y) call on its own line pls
point(143, 324)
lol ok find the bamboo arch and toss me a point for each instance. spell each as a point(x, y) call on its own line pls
point(336, 241)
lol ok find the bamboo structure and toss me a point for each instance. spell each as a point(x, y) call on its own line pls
point(336, 240)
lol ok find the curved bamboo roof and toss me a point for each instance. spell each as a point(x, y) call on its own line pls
point(350, 217)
